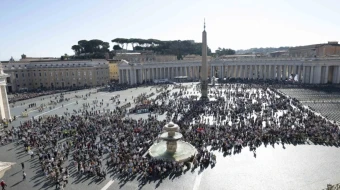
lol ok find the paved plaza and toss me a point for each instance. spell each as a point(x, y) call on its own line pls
point(304, 167)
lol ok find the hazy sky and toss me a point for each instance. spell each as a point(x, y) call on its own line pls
point(51, 27)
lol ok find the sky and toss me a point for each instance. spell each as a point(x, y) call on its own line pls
point(45, 28)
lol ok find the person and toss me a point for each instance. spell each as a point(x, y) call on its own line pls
point(3, 184)
point(22, 165)
point(23, 175)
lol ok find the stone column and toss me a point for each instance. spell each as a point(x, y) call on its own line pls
point(123, 76)
point(159, 73)
point(250, 71)
point(237, 71)
point(272, 72)
point(120, 76)
point(176, 72)
point(311, 79)
point(299, 73)
point(232, 71)
point(4, 105)
point(168, 73)
point(253, 70)
point(241, 71)
point(304, 75)
point(326, 75)
point(284, 74)
point(338, 75)
point(129, 76)
point(260, 71)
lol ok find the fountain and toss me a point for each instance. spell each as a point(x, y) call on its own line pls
point(171, 147)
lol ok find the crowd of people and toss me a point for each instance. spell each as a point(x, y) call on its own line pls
point(28, 95)
point(238, 116)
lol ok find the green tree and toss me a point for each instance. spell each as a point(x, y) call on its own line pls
point(116, 47)
point(77, 49)
point(224, 51)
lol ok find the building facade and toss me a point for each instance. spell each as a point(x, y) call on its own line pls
point(311, 71)
point(113, 69)
point(54, 74)
point(145, 57)
point(329, 49)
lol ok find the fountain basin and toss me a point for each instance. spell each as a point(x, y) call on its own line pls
point(176, 136)
point(183, 153)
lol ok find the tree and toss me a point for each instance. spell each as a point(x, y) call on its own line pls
point(138, 48)
point(120, 41)
point(133, 42)
point(77, 49)
point(92, 49)
point(116, 47)
point(105, 47)
point(223, 51)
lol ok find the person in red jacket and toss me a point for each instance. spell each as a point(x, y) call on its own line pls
point(3, 184)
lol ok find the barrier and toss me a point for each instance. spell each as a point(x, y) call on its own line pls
point(24, 114)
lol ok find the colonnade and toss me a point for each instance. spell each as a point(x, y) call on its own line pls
point(138, 75)
point(313, 72)
point(280, 72)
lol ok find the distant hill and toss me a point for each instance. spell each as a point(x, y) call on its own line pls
point(261, 50)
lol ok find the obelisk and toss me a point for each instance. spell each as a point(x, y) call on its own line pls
point(204, 69)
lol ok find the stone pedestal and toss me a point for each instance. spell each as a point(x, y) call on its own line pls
point(171, 146)
point(204, 89)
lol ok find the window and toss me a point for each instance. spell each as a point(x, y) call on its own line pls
point(23, 75)
point(40, 74)
point(16, 75)
point(28, 74)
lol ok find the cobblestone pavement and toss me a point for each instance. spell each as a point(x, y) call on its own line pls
point(304, 167)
